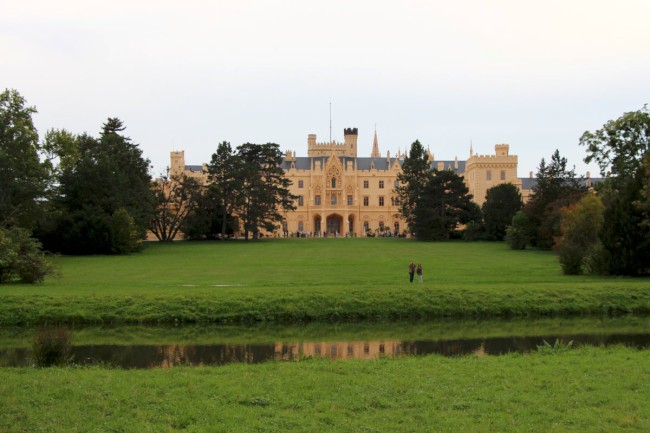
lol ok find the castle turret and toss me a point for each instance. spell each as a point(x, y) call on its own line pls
point(177, 163)
point(350, 141)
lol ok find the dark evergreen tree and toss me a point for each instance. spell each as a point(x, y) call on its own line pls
point(23, 178)
point(556, 187)
point(444, 205)
point(226, 175)
point(205, 221)
point(412, 180)
point(110, 174)
point(265, 195)
point(502, 202)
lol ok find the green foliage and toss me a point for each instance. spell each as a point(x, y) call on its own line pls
point(265, 196)
point(444, 205)
point(412, 180)
point(501, 204)
point(517, 233)
point(579, 243)
point(23, 178)
point(557, 348)
point(21, 258)
point(109, 174)
point(124, 233)
point(225, 175)
point(51, 347)
point(556, 187)
point(621, 148)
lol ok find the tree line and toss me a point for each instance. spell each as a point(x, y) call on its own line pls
point(79, 194)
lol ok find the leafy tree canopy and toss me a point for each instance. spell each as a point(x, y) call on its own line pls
point(23, 178)
point(502, 202)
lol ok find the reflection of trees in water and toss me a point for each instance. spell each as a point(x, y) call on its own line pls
point(148, 356)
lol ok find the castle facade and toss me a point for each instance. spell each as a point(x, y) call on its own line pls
point(340, 193)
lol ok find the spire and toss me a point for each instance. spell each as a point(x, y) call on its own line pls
point(375, 147)
point(471, 149)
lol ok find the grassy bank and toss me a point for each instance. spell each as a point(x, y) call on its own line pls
point(324, 280)
point(582, 390)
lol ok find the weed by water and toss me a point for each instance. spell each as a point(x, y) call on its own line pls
point(558, 347)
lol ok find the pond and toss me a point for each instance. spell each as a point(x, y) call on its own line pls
point(161, 347)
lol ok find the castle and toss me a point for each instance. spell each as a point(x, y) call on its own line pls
point(341, 193)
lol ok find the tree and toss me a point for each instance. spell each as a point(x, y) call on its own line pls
point(110, 174)
point(621, 148)
point(265, 193)
point(517, 233)
point(225, 174)
point(445, 204)
point(412, 180)
point(23, 177)
point(579, 241)
point(502, 202)
point(176, 197)
point(556, 188)
point(21, 258)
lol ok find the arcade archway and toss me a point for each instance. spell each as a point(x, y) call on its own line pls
point(334, 224)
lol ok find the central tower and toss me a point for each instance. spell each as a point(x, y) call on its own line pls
point(347, 148)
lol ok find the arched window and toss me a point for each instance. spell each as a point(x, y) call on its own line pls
point(333, 182)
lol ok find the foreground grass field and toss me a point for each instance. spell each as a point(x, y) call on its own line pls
point(582, 390)
point(315, 280)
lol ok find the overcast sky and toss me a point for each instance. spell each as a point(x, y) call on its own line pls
point(186, 75)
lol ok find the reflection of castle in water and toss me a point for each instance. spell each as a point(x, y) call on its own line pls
point(165, 356)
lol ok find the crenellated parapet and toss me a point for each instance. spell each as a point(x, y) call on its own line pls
point(347, 148)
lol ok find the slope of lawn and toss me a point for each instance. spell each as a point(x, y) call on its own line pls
point(315, 280)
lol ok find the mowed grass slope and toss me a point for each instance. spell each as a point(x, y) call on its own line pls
point(315, 279)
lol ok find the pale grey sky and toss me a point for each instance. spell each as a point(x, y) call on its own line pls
point(187, 75)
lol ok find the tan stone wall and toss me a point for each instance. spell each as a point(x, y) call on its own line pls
point(482, 172)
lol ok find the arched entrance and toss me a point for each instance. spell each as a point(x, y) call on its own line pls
point(334, 224)
point(317, 225)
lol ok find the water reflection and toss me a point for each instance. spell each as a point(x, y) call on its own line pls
point(164, 356)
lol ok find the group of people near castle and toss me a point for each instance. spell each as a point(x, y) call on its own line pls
point(415, 270)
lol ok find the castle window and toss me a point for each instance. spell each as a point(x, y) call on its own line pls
point(350, 200)
point(503, 175)
point(333, 201)
point(301, 201)
point(333, 182)
point(317, 200)
point(365, 200)
point(366, 226)
point(301, 184)
point(488, 175)
point(381, 184)
point(381, 201)
point(392, 201)
point(396, 227)
point(381, 226)
point(365, 184)
point(301, 227)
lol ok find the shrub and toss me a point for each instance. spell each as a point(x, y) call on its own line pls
point(51, 346)
point(516, 234)
point(21, 258)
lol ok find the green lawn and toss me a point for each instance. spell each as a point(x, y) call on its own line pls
point(315, 279)
point(582, 390)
